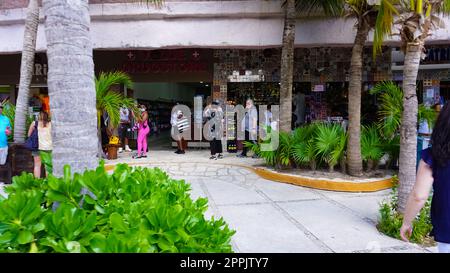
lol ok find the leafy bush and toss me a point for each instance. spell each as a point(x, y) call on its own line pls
point(131, 210)
point(330, 143)
point(279, 156)
point(390, 115)
point(391, 221)
point(304, 149)
point(371, 146)
point(307, 145)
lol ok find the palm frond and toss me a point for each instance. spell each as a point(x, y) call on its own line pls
point(384, 23)
point(329, 7)
point(106, 80)
point(390, 107)
point(328, 138)
point(371, 144)
point(109, 100)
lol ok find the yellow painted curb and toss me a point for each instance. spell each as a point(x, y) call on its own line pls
point(326, 184)
point(321, 184)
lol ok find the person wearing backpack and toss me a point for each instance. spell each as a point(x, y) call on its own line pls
point(41, 128)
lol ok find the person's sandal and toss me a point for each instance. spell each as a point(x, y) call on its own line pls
point(212, 157)
point(220, 156)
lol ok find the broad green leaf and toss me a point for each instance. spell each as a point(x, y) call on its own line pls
point(25, 237)
point(117, 222)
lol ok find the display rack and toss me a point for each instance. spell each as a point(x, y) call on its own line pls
point(230, 124)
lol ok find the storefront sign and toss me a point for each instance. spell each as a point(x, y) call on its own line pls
point(164, 61)
point(163, 67)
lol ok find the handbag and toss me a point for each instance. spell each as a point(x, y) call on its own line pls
point(32, 142)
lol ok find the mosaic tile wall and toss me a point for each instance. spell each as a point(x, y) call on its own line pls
point(316, 65)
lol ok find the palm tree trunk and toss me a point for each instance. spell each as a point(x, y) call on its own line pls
point(26, 70)
point(408, 131)
point(354, 159)
point(71, 85)
point(287, 67)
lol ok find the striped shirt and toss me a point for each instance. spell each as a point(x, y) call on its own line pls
point(183, 124)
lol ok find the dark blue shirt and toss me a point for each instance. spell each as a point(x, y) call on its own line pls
point(440, 204)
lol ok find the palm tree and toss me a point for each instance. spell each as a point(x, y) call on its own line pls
point(330, 7)
point(368, 16)
point(110, 101)
point(26, 70)
point(71, 85)
point(416, 25)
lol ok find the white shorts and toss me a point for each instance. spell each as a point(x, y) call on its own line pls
point(3, 155)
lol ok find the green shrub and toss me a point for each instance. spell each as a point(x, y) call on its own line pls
point(131, 210)
point(330, 142)
point(371, 146)
point(279, 156)
point(308, 145)
point(391, 221)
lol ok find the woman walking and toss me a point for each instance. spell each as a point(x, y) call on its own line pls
point(44, 129)
point(143, 131)
point(433, 172)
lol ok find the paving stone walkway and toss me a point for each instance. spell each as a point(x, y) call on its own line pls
point(276, 217)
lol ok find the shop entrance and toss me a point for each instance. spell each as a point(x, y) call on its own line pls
point(160, 98)
point(444, 90)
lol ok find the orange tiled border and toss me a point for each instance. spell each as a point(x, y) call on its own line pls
point(322, 184)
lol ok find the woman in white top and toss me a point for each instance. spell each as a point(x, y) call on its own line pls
point(44, 127)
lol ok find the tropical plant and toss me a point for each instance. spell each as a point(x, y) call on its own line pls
point(371, 146)
point(110, 101)
point(328, 142)
point(130, 210)
point(390, 117)
point(417, 22)
point(370, 15)
point(277, 157)
point(391, 109)
point(304, 149)
point(26, 71)
point(333, 7)
point(390, 220)
point(71, 84)
point(9, 111)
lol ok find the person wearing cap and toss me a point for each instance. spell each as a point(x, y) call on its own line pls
point(5, 131)
point(214, 111)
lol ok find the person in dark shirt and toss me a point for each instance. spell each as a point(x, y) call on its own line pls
point(433, 173)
